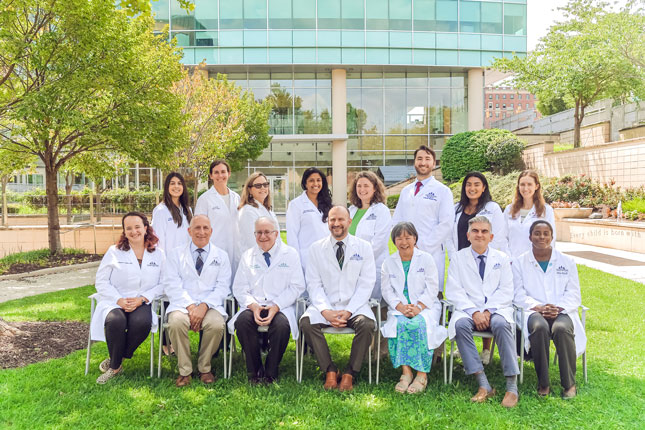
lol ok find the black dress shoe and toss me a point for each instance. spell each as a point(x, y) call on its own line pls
point(270, 380)
point(256, 380)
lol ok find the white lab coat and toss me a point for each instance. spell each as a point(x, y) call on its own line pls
point(246, 224)
point(518, 230)
point(422, 287)
point(331, 288)
point(432, 213)
point(223, 221)
point(492, 211)
point(184, 286)
point(119, 276)
point(375, 228)
point(559, 286)
point(304, 226)
point(466, 289)
point(170, 234)
point(279, 284)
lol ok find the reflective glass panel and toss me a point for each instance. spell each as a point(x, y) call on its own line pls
point(446, 15)
point(424, 15)
point(470, 17)
point(377, 15)
point(230, 14)
point(459, 111)
point(400, 15)
point(395, 111)
point(355, 115)
point(439, 112)
point(205, 15)
point(180, 18)
point(352, 14)
point(280, 14)
point(417, 110)
point(329, 14)
point(161, 13)
point(372, 106)
point(515, 19)
point(440, 80)
point(304, 14)
point(491, 18)
point(255, 14)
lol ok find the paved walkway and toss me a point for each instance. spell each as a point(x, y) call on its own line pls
point(32, 285)
point(630, 265)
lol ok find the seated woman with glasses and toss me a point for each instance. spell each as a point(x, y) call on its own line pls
point(254, 203)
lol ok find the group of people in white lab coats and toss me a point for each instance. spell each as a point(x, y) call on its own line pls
point(339, 258)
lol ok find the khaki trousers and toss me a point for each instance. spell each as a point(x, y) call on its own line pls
point(212, 332)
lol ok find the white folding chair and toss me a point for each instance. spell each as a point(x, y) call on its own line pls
point(164, 325)
point(344, 330)
point(482, 334)
point(583, 317)
point(93, 299)
point(264, 329)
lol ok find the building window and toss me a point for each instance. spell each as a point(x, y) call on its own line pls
point(496, 114)
point(512, 96)
point(511, 107)
point(504, 106)
point(497, 105)
point(490, 97)
point(527, 106)
point(503, 96)
point(519, 96)
point(490, 105)
point(497, 96)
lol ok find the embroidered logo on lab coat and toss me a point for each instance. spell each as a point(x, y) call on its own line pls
point(170, 219)
point(392, 276)
point(283, 265)
point(356, 257)
point(215, 263)
point(153, 264)
point(215, 208)
point(561, 270)
point(306, 211)
point(430, 196)
point(256, 266)
point(372, 217)
point(497, 266)
point(421, 270)
point(485, 212)
point(124, 262)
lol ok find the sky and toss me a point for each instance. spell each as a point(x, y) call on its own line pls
point(541, 14)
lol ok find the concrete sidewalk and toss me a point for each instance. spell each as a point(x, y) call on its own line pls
point(33, 284)
point(630, 265)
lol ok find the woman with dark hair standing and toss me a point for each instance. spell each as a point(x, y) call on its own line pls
point(307, 213)
point(475, 200)
point(127, 281)
point(371, 219)
point(171, 218)
point(528, 206)
point(254, 203)
point(170, 221)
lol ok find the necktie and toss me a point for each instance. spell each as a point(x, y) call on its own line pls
point(482, 265)
point(418, 187)
point(267, 258)
point(340, 254)
point(199, 264)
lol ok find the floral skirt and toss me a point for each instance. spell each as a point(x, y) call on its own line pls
point(410, 347)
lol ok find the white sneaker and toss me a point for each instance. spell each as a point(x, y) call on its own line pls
point(485, 356)
point(111, 373)
point(105, 365)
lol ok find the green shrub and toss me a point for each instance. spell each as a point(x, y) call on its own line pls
point(637, 205)
point(482, 150)
point(590, 193)
point(392, 201)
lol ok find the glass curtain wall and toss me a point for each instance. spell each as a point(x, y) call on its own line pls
point(390, 114)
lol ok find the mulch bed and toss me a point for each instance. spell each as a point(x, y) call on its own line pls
point(53, 261)
point(41, 341)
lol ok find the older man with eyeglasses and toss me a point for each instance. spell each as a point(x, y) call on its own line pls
point(267, 284)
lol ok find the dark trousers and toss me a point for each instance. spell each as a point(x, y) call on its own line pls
point(541, 331)
point(278, 335)
point(364, 328)
point(125, 331)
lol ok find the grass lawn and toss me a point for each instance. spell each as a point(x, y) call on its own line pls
point(56, 394)
point(39, 258)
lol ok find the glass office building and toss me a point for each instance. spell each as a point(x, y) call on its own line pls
point(354, 84)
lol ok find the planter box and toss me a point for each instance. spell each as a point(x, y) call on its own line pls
point(624, 235)
point(561, 213)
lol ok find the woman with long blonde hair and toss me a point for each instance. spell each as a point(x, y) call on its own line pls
point(255, 202)
point(527, 207)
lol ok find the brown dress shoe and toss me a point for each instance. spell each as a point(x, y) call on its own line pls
point(510, 400)
point(346, 383)
point(207, 378)
point(331, 381)
point(543, 391)
point(570, 393)
point(482, 395)
point(182, 381)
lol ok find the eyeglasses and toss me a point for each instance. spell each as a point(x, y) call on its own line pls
point(264, 232)
point(260, 186)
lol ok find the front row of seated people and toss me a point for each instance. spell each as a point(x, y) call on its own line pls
point(482, 287)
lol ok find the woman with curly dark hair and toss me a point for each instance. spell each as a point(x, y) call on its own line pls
point(127, 281)
point(307, 213)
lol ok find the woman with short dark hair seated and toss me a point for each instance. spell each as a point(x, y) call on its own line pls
point(409, 286)
point(127, 281)
point(547, 287)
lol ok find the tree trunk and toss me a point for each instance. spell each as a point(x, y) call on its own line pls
point(69, 179)
point(578, 116)
point(7, 330)
point(196, 188)
point(5, 209)
point(98, 202)
point(53, 224)
point(92, 219)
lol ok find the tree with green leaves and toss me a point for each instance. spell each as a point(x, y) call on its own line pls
point(221, 121)
point(12, 164)
point(92, 80)
point(579, 60)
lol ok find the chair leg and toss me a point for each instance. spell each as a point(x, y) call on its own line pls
point(445, 363)
point(227, 367)
point(521, 358)
point(302, 355)
point(231, 349)
point(369, 364)
point(584, 365)
point(89, 339)
point(378, 354)
point(297, 341)
point(162, 316)
point(492, 349)
point(452, 349)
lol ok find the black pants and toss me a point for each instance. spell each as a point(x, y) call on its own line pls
point(125, 331)
point(541, 331)
point(247, 333)
point(364, 328)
